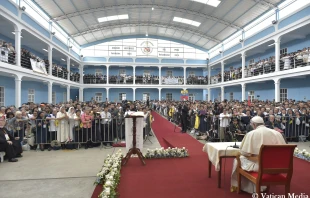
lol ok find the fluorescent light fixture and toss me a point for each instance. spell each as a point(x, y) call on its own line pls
point(63, 59)
point(113, 18)
point(186, 21)
point(271, 44)
point(45, 50)
point(213, 3)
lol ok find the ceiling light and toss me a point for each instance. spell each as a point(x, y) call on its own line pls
point(186, 21)
point(152, 8)
point(213, 3)
point(146, 34)
point(113, 18)
point(271, 44)
point(45, 50)
point(63, 59)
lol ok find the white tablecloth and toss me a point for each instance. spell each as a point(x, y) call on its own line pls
point(217, 149)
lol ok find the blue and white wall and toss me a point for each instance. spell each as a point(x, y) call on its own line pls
point(297, 88)
point(177, 71)
point(9, 90)
point(152, 92)
point(92, 69)
point(113, 70)
point(60, 91)
point(114, 93)
point(90, 93)
point(153, 70)
point(40, 91)
point(236, 90)
point(197, 71)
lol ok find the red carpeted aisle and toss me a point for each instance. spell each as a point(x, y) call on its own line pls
point(188, 178)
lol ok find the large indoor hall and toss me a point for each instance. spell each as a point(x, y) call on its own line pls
point(155, 98)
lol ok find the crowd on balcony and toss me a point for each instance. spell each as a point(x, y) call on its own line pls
point(7, 52)
point(94, 79)
point(260, 67)
point(233, 74)
point(62, 72)
point(31, 61)
point(216, 78)
point(172, 80)
point(147, 79)
point(197, 80)
point(144, 79)
point(296, 59)
point(121, 79)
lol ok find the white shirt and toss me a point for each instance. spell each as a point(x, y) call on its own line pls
point(52, 123)
point(105, 117)
point(224, 120)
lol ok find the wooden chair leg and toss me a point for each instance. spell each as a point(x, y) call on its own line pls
point(239, 182)
point(258, 192)
point(287, 190)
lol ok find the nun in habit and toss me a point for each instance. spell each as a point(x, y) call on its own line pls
point(63, 125)
point(71, 116)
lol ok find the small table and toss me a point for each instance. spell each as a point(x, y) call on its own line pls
point(216, 152)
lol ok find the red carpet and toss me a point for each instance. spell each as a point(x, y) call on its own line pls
point(188, 177)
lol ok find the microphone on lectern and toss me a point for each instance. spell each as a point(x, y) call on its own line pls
point(235, 146)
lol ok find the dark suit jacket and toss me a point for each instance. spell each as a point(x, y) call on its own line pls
point(2, 137)
point(184, 111)
point(273, 125)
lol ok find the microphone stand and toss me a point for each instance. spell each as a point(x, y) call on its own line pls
point(235, 146)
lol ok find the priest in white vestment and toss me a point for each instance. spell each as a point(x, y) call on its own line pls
point(249, 149)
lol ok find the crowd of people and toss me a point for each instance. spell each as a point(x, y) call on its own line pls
point(197, 80)
point(223, 121)
point(67, 126)
point(143, 79)
point(7, 52)
point(296, 59)
point(147, 79)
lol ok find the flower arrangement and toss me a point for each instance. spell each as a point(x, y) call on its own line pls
point(166, 153)
point(302, 154)
point(109, 176)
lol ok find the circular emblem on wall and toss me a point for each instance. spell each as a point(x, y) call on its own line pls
point(147, 47)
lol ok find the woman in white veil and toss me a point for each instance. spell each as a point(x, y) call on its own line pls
point(71, 115)
point(63, 127)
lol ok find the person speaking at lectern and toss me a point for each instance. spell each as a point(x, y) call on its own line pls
point(249, 150)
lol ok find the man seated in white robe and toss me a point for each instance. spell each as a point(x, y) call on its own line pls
point(249, 149)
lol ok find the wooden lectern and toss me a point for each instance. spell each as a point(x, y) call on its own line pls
point(134, 150)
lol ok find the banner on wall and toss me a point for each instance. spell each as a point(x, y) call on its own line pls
point(184, 95)
point(38, 67)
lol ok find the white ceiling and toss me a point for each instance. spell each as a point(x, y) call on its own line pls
point(79, 18)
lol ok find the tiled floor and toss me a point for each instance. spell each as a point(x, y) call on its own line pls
point(62, 174)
